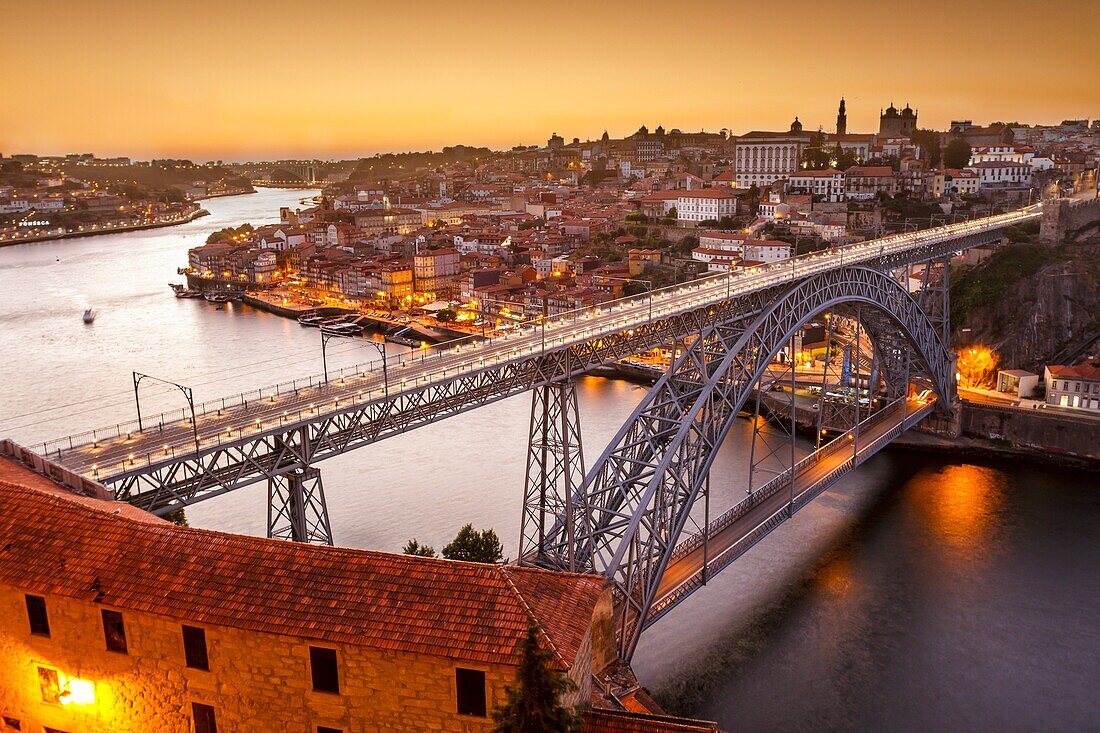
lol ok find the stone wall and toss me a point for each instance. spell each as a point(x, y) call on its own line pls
point(1069, 220)
point(256, 682)
point(1043, 430)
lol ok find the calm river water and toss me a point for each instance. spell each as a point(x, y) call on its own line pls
point(919, 594)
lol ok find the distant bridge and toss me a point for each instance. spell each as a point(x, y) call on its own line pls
point(628, 516)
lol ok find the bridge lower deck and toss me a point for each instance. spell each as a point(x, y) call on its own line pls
point(757, 517)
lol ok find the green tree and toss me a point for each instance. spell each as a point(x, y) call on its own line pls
point(929, 143)
point(446, 315)
point(754, 199)
point(636, 217)
point(816, 156)
point(533, 704)
point(957, 154)
point(474, 546)
point(846, 159)
point(412, 547)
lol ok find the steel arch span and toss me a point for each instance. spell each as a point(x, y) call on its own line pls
point(633, 504)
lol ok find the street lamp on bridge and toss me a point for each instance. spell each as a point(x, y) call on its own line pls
point(648, 288)
point(380, 347)
point(188, 395)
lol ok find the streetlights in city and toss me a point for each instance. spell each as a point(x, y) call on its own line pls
point(380, 347)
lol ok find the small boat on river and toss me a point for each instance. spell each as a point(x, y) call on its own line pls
point(89, 315)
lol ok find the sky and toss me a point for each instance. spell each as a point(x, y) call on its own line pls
point(231, 80)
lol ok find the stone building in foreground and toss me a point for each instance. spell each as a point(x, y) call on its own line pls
point(114, 620)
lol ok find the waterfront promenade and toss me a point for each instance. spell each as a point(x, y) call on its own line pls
point(90, 230)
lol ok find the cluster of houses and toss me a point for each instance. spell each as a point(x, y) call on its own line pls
point(569, 223)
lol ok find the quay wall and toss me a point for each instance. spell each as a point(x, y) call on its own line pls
point(1042, 430)
point(117, 230)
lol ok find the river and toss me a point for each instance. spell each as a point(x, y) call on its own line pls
point(919, 594)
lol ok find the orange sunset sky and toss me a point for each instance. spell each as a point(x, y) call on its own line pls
point(237, 79)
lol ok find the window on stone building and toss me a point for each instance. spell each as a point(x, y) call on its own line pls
point(470, 688)
point(48, 684)
point(114, 632)
point(327, 729)
point(205, 721)
point(194, 648)
point(36, 614)
point(323, 667)
point(12, 723)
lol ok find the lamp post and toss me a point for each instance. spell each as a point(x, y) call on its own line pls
point(187, 393)
point(380, 347)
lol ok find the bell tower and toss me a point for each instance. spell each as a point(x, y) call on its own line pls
point(842, 119)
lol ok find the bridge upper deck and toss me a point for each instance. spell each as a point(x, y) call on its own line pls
point(124, 449)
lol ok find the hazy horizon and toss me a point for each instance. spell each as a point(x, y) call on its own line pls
point(211, 80)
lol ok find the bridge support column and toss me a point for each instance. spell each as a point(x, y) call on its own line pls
point(555, 470)
point(296, 508)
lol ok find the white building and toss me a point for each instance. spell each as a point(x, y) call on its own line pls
point(962, 182)
point(1002, 173)
point(1001, 153)
point(828, 184)
point(762, 158)
point(729, 242)
point(695, 206)
point(766, 250)
point(1073, 386)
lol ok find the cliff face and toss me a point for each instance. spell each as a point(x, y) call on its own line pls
point(1046, 316)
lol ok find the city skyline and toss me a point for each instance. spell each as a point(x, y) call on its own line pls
point(222, 82)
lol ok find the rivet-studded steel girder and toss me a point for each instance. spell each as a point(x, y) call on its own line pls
point(296, 507)
point(555, 471)
point(174, 482)
point(637, 498)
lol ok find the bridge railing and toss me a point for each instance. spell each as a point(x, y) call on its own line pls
point(659, 301)
point(840, 442)
point(727, 555)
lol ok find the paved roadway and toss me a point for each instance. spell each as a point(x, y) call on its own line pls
point(113, 450)
point(685, 568)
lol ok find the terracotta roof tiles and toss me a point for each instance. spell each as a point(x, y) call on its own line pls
point(52, 544)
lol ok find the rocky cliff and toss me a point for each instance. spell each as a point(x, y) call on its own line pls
point(1033, 304)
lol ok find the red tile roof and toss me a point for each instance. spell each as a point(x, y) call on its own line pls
point(1080, 371)
point(50, 544)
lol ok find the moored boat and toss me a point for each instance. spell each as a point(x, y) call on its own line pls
point(89, 315)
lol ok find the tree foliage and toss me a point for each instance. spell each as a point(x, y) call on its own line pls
point(412, 547)
point(533, 704)
point(957, 154)
point(474, 546)
point(816, 155)
point(929, 143)
point(227, 234)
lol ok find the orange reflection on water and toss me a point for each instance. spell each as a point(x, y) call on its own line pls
point(960, 503)
point(836, 578)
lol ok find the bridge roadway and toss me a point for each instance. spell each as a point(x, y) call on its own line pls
point(732, 534)
point(121, 450)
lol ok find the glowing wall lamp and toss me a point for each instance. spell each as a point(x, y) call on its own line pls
point(75, 691)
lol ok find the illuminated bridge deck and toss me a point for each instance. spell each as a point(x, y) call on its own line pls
point(111, 454)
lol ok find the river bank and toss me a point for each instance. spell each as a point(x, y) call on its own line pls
point(241, 192)
point(969, 448)
point(97, 230)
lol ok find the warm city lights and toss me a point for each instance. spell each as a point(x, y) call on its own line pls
point(569, 367)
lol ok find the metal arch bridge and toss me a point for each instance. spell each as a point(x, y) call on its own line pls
point(625, 516)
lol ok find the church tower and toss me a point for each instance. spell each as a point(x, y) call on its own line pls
point(842, 120)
